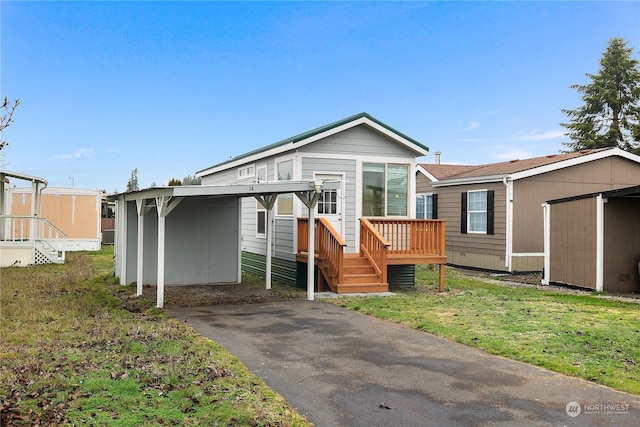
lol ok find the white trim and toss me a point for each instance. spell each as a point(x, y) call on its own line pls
point(329, 132)
point(541, 169)
point(576, 161)
point(508, 224)
point(546, 209)
point(526, 254)
point(600, 201)
point(423, 171)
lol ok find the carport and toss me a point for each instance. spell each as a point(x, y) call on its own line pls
point(194, 235)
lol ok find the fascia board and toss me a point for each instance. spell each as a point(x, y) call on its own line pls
point(426, 173)
point(295, 145)
point(576, 161)
point(471, 180)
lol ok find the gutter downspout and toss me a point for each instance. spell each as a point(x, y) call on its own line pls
point(509, 222)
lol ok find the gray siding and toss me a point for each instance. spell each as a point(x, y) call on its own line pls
point(348, 167)
point(358, 141)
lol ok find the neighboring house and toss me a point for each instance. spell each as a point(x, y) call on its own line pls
point(494, 212)
point(373, 164)
point(39, 224)
point(75, 212)
point(593, 240)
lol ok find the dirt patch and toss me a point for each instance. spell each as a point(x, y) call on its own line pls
point(247, 292)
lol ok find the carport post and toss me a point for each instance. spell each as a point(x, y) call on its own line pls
point(268, 201)
point(140, 205)
point(310, 199)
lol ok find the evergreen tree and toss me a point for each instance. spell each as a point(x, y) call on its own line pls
point(190, 180)
point(610, 116)
point(132, 184)
point(174, 182)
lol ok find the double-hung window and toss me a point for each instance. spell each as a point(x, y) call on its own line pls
point(427, 206)
point(477, 212)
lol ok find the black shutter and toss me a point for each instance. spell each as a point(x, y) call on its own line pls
point(490, 215)
point(434, 206)
point(463, 215)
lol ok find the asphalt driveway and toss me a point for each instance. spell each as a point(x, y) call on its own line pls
point(342, 368)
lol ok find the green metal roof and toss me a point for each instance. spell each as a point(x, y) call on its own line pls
point(313, 132)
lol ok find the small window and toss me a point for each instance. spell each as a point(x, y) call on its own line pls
point(477, 212)
point(261, 222)
point(247, 172)
point(261, 173)
point(285, 201)
point(427, 206)
point(328, 202)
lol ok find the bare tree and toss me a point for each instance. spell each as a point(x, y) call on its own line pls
point(7, 118)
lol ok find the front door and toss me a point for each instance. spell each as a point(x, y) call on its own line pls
point(330, 203)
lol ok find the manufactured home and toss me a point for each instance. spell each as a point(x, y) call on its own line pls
point(332, 208)
point(494, 212)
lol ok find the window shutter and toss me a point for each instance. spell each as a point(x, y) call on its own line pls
point(434, 206)
point(463, 215)
point(490, 197)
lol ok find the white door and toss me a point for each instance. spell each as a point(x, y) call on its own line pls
point(330, 203)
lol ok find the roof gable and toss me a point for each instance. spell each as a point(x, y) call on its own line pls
point(316, 134)
point(519, 169)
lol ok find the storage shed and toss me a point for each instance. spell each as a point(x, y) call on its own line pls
point(593, 241)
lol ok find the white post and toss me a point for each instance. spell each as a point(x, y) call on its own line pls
point(311, 255)
point(140, 205)
point(269, 237)
point(160, 288)
point(546, 213)
point(600, 201)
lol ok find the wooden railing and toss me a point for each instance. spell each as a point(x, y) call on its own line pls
point(375, 247)
point(329, 247)
point(412, 236)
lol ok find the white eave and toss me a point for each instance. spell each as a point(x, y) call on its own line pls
point(294, 145)
point(426, 173)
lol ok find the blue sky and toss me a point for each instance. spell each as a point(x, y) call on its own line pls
point(170, 88)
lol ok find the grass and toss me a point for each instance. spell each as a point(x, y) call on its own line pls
point(73, 355)
point(580, 335)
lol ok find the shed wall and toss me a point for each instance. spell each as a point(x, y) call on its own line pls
point(621, 244)
point(573, 243)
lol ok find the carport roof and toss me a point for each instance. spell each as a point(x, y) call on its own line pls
point(633, 191)
point(237, 190)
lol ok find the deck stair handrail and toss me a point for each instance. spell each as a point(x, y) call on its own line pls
point(33, 230)
point(375, 247)
point(329, 248)
point(412, 236)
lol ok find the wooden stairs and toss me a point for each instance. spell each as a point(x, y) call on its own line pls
point(359, 276)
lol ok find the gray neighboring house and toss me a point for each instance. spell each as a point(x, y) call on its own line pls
point(494, 212)
point(373, 164)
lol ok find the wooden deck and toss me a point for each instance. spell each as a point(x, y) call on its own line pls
point(383, 242)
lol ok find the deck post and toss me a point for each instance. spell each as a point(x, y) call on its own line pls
point(311, 254)
point(441, 278)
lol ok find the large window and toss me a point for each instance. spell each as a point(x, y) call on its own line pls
point(427, 206)
point(285, 201)
point(385, 189)
point(477, 212)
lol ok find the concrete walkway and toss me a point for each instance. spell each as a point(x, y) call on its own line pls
point(342, 368)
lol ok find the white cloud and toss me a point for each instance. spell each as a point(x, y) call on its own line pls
point(81, 152)
point(473, 125)
point(534, 135)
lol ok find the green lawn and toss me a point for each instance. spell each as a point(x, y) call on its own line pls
point(71, 354)
point(580, 335)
